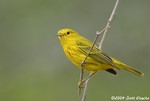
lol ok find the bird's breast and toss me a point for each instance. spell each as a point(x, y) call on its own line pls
point(73, 54)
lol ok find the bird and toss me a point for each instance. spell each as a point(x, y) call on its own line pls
point(76, 48)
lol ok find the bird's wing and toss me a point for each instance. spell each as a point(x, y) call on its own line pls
point(95, 53)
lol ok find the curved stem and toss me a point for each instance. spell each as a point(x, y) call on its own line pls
point(82, 95)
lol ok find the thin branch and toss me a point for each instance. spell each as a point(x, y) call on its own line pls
point(104, 31)
point(108, 23)
point(97, 35)
point(82, 63)
point(79, 86)
point(85, 88)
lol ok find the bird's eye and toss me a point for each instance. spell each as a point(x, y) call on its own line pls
point(68, 32)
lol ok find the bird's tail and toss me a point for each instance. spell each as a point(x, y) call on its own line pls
point(127, 68)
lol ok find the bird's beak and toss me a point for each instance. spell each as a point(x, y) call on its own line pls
point(59, 35)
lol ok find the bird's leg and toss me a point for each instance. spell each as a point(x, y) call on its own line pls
point(89, 76)
point(80, 84)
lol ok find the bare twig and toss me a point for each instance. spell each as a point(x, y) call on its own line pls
point(81, 97)
point(85, 89)
point(82, 63)
point(79, 85)
point(108, 23)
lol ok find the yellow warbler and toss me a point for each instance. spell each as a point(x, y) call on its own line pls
point(76, 47)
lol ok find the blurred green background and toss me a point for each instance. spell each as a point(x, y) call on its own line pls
point(33, 66)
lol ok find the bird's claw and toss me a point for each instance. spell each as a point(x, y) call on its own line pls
point(81, 84)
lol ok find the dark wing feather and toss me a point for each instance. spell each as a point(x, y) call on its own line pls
point(112, 71)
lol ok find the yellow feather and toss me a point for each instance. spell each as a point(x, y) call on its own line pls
point(76, 47)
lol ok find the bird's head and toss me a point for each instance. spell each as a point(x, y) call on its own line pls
point(67, 34)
